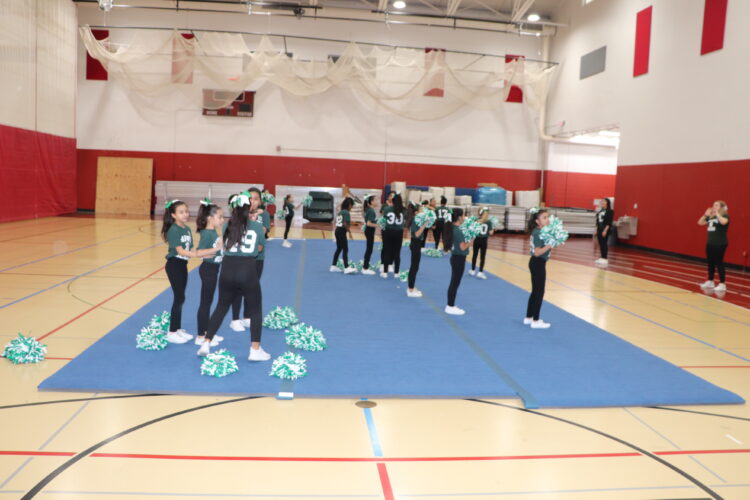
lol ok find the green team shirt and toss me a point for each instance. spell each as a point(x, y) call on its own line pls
point(370, 216)
point(288, 210)
point(210, 239)
point(253, 238)
point(266, 218)
point(342, 219)
point(485, 228)
point(443, 213)
point(535, 241)
point(458, 238)
point(179, 237)
point(392, 220)
point(414, 228)
point(717, 232)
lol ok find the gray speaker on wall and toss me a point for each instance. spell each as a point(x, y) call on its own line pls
point(594, 62)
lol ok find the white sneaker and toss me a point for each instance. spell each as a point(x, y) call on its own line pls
point(350, 270)
point(481, 275)
point(176, 338)
point(390, 268)
point(539, 324)
point(286, 244)
point(270, 238)
point(185, 334)
point(258, 355)
point(414, 294)
point(707, 284)
point(383, 275)
point(598, 261)
point(721, 287)
point(368, 271)
point(527, 321)
point(236, 325)
point(382, 270)
point(245, 322)
point(604, 262)
point(205, 350)
point(472, 272)
point(334, 269)
point(396, 276)
point(199, 340)
point(457, 311)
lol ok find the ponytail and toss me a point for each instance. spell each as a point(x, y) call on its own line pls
point(411, 212)
point(398, 204)
point(207, 209)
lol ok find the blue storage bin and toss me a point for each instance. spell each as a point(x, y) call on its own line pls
point(490, 195)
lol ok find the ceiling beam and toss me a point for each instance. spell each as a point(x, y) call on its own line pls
point(452, 7)
point(382, 5)
point(428, 4)
point(522, 10)
point(499, 14)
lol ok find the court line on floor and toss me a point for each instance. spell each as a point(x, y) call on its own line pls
point(211, 495)
point(95, 398)
point(377, 450)
point(49, 232)
point(634, 314)
point(78, 276)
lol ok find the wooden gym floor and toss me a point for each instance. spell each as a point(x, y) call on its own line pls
point(69, 280)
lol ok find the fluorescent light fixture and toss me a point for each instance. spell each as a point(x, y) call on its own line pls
point(105, 5)
point(399, 4)
point(533, 17)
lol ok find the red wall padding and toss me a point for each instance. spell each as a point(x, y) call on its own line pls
point(37, 174)
point(672, 197)
point(642, 41)
point(714, 24)
point(570, 189)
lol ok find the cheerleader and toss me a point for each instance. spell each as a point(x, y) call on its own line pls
point(418, 235)
point(179, 238)
point(480, 243)
point(210, 219)
point(370, 203)
point(453, 238)
point(288, 216)
point(243, 239)
point(538, 266)
point(343, 221)
point(442, 215)
point(393, 235)
point(604, 218)
point(717, 220)
point(265, 217)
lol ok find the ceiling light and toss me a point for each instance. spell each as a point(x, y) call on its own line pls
point(399, 4)
point(533, 18)
point(105, 5)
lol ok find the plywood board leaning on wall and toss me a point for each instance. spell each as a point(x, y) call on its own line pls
point(123, 185)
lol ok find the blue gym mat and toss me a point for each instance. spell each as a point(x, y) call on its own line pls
point(383, 344)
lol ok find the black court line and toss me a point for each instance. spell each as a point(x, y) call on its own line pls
point(632, 446)
point(73, 460)
point(56, 401)
point(721, 415)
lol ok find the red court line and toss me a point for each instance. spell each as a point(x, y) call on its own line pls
point(99, 304)
point(385, 482)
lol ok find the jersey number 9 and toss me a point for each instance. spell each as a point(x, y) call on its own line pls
point(248, 243)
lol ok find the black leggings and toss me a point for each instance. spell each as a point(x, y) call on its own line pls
point(178, 276)
point(602, 244)
point(239, 276)
point(392, 240)
point(437, 232)
point(237, 302)
point(370, 237)
point(458, 264)
point(209, 273)
point(715, 254)
point(480, 248)
point(416, 255)
point(538, 268)
point(342, 245)
point(288, 220)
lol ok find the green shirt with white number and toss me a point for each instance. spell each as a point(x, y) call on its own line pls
point(392, 219)
point(179, 237)
point(210, 239)
point(485, 228)
point(342, 219)
point(443, 213)
point(254, 237)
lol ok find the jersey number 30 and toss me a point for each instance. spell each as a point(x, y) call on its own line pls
point(393, 220)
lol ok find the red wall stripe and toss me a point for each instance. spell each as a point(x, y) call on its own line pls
point(672, 197)
point(714, 23)
point(577, 190)
point(94, 69)
point(37, 174)
point(642, 41)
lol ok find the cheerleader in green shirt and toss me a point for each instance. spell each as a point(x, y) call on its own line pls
point(453, 239)
point(288, 217)
point(208, 223)
point(418, 236)
point(179, 238)
point(369, 228)
point(343, 220)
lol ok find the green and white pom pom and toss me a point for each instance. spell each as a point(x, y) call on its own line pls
point(23, 350)
point(280, 318)
point(471, 228)
point(403, 275)
point(151, 339)
point(358, 265)
point(302, 336)
point(161, 321)
point(426, 216)
point(406, 243)
point(554, 234)
point(340, 264)
point(219, 364)
point(307, 200)
point(289, 366)
point(381, 223)
point(494, 222)
point(280, 214)
point(268, 199)
point(432, 252)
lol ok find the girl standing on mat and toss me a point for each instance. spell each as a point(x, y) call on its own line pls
point(717, 220)
point(393, 235)
point(288, 216)
point(370, 203)
point(210, 219)
point(604, 218)
point(343, 221)
point(480, 243)
point(179, 238)
point(454, 239)
point(243, 239)
point(538, 266)
point(442, 215)
point(418, 235)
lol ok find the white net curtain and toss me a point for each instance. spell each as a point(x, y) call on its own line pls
point(412, 83)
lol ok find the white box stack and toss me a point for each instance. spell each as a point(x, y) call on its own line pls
point(517, 218)
point(193, 192)
point(425, 196)
point(398, 186)
point(527, 199)
point(450, 194)
point(462, 200)
point(437, 192)
point(414, 195)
